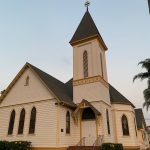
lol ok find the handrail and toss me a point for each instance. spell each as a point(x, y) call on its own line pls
point(81, 142)
point(98, 141)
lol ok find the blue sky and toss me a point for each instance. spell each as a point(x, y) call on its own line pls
point(39, 32)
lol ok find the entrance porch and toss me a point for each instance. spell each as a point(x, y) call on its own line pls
point(89, 120)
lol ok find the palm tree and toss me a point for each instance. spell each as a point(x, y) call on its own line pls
point(145, 75)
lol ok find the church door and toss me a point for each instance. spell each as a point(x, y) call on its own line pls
point(89, 132)
point(88, 126)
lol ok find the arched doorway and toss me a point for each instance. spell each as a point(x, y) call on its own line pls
point(88, 124)
point(88, 116)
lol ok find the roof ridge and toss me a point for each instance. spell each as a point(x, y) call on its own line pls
point(45, 72)
point(57, 87)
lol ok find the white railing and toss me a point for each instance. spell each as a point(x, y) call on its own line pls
point(98, 141)
point(81, 142)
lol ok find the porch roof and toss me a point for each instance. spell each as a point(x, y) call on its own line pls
point(86, 104)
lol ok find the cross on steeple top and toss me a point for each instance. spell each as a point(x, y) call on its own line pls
point(87, 4)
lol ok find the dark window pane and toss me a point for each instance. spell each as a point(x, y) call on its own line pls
point(21, 122)
point(108, 124)
point(101, 59)
point(125, 127)
point(32, 121)
point(88, 114)
point(85, 64)
point(27, 81)
point(68, 122)
point(11, 123)
point(135, 127)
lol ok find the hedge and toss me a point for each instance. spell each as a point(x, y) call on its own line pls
point(111, 146)
point(15, 145)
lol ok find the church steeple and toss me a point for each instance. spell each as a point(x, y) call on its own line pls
point(89, 62)
point(87, 30)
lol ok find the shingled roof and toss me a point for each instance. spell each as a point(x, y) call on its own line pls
point(58, 88)
point(140, 118)
point(86, 29)
point(117, 98)
point(64, 91)
point(61, 90)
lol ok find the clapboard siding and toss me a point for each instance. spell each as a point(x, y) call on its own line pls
point(118, 111)
point(74, 136)
point(46, 123)
point(20, 93)
point(101, 107)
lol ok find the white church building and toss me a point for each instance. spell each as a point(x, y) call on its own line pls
point(85, 111)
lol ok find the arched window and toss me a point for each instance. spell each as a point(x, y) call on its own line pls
point(135, 127)
point(32, 121)
point(27, 81)
point(85, 64)
point(108, 124)
point(21, 121)
point(68, 122)
point(11, 123)
point(125, 127)
point(101, 60)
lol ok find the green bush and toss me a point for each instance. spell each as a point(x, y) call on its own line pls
point(15, 145)
point(118, 146)
point(107, 146)
point(111, 146)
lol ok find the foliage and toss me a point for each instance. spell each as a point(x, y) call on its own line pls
point(111, 146)
point(15, 145)
point(145, 75)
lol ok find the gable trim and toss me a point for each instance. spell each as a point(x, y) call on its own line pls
point(27, 65)
point(17, 77)
point(13, 82)
point(39, 101)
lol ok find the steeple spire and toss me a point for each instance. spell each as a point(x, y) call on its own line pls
point(87, 30)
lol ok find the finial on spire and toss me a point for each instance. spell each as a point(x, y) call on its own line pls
point(87, 4)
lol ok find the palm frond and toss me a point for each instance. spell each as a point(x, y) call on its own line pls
point(146, 93)
point(145, 64)
point(147, 105)
point(142, 76)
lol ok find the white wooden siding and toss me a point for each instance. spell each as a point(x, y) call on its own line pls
point(68, 139)
point(118, 111)
point(24, 94)
point(46, 123)
point(101, 107)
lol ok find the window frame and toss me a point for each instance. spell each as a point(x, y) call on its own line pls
point(11, 126)
point(32, 120)
point(101, 61)
point(27, 80)
point(108, 121)
point(21, 122)
point(128, 130)
point(68, 122)
point(85, 64)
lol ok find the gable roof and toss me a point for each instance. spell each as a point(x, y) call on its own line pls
point(86, 29)
point(58, 88)
point(64, 91)
point(88, 104)
point(140, 118)
point(117, 98)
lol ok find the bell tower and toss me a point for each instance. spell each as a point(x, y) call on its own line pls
point(89, 63)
